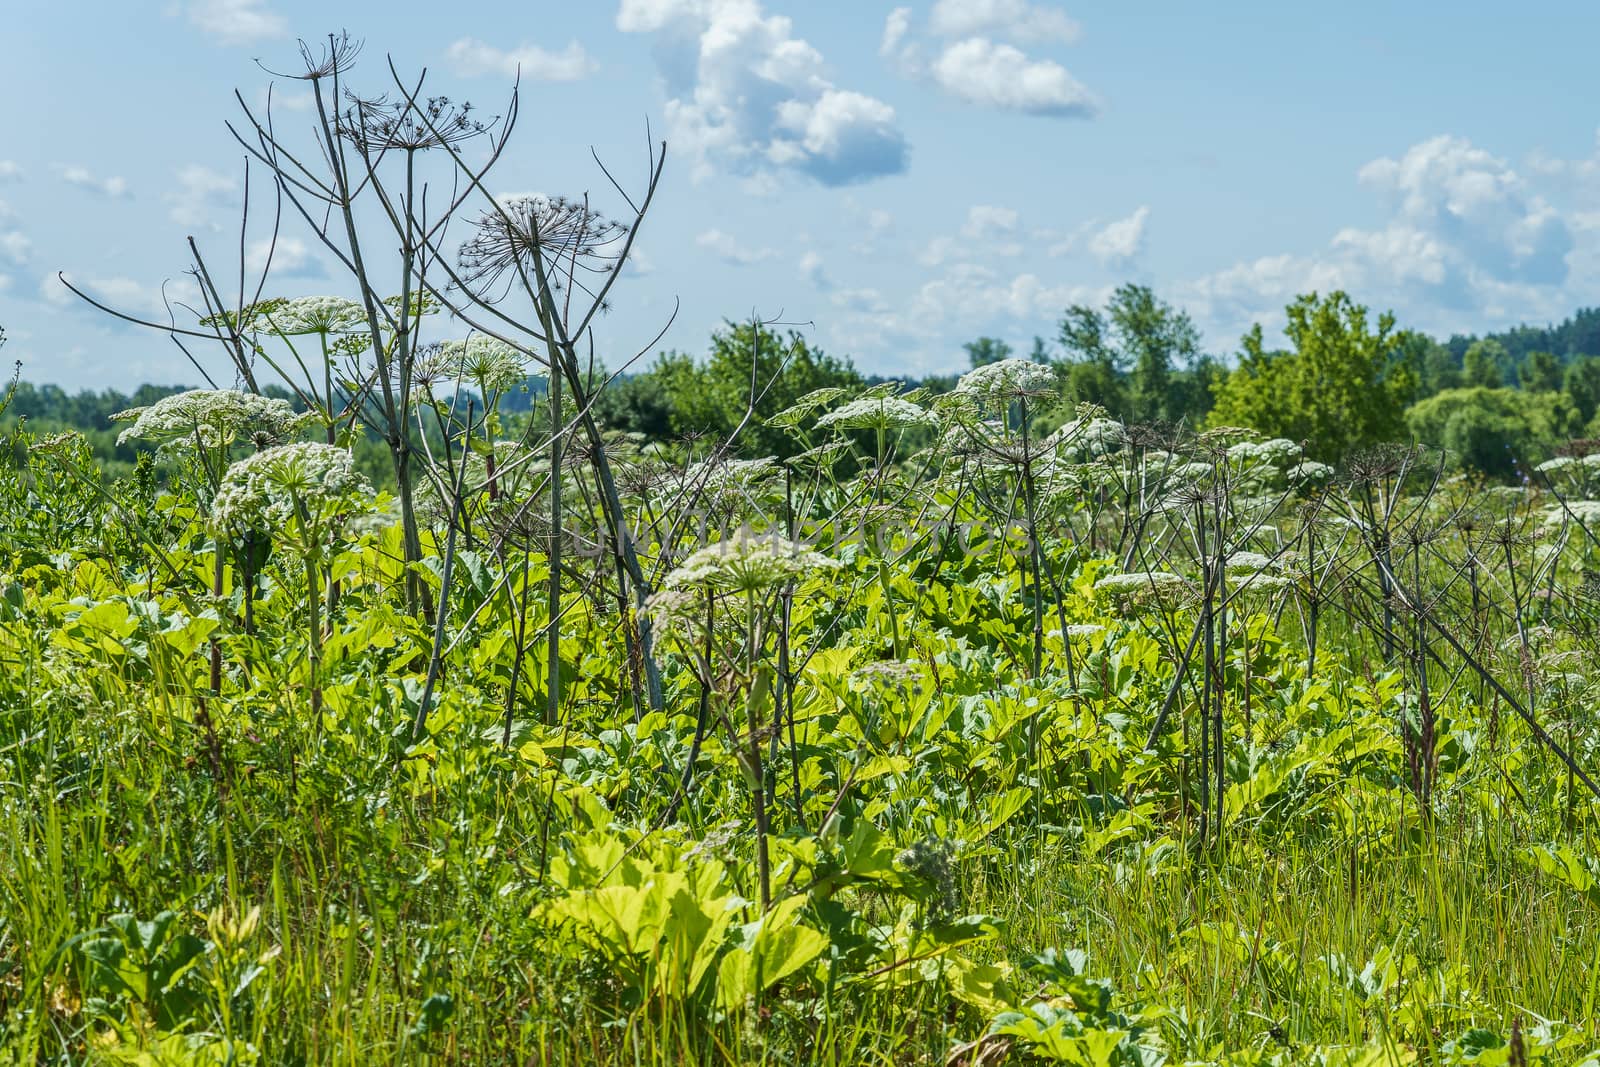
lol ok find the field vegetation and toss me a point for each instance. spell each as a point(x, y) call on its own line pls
point(1118, 711)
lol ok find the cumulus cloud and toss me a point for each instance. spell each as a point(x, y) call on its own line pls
point(470, 57)
point(291, 257)
point(10, 170)
point(1121, 241)
point(73, 174)
point(1466, 197)
point(1014, 19)
point(976, 58)
point(1467, 241)
point(199, 191)
point(15, 246)
point(812, 271)
point(727, 248)
point(1000, 76)
point(745, 93)
point(987, 220)
point(236, 21)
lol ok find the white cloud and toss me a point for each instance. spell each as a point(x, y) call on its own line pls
point(471, 57)
point(237, 21)
point(10, 170)
point(811, 270)
point(744, 93)
point(1467, 197)
point(727, 248)
point(867, 301)
point(1468, 242)
point(1000, 76)
point(895, 28)
point(291, 258)
point(1121, 241)
point(1015, 19)
point(73, 174)
point(15, 246)
point(198, 193)
point(986, 220)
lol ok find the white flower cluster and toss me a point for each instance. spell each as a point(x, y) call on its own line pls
point(1278, 452)
point(886, 674)
point(878, 413)
point(315, 314)
point(1310, 472)
point(490, 364)
point(210, 418)
point(797, 412)
point(300, 486)
point(1088, 438)
point(748, 562)
point(1137, 587)
point(1586, 512)
point(1006, 380)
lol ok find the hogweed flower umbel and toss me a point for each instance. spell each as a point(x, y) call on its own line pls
point(299, 492)
point(210, 418)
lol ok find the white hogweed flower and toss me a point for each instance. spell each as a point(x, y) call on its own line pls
point(1137, 588)
point(748, 562)
point(490, 364)
point(878, 413)
point(210, 418)
point(300, 493)
point(316, 315)
point(1006, 380)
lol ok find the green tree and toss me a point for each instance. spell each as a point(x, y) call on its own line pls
point(1496, 430)
point(1582, 385)
point(1540, 372)
point(1484, 365)
point(1341, 386)
point(752, 369)
point(986, 350)
point(1133, 356)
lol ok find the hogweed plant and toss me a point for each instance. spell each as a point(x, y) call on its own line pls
point(300, 497)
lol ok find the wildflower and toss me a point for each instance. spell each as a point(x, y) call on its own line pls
point(1137, 588)
point(1278, 452)
point(315, 314)
point(1249, 563)
point(490, 364)
point(796, 412)
point(1006, 380)
point(1582, 512)
point(210, 418)
point(300, 491)
point(1310, 472)
point(878, 413)
point(748, 562)
point(887, 674)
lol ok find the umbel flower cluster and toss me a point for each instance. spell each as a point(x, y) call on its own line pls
point(748, 562)
point(210, 418)
point(1006, 380)
point(316, 314)
point(299, 491)
point(490, 364)
point(878, 413)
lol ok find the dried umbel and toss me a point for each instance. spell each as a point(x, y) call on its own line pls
point(211, 418)
point(376, 125)
point(300, 493)
point(565, 234)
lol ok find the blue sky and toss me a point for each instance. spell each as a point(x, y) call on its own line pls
point(898, 178)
